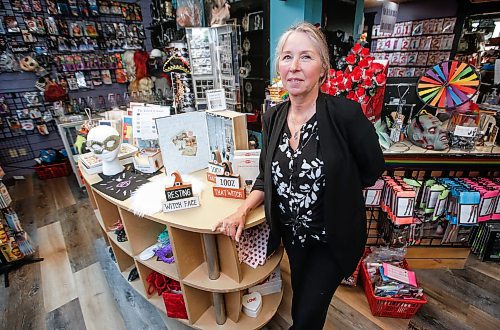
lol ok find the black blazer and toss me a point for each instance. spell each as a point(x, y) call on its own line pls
point(352, 160)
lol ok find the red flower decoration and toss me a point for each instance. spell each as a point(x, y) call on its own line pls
point(348, 84)
point(380, 79)
point(363, 64)
point(341, 87)
point(351, 95)
point(350, 59)
point(365, 52)
point(367, 83)
point(333, 90)
point(377, 67)
point(360, 92)
point(357, 48)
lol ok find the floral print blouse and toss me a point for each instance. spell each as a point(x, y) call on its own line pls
point(299, 182)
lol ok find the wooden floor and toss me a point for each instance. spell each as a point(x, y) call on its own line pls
point(78, 286)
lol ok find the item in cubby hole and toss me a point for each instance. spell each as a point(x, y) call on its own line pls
point(11, 251)
point(17, 5)
point(133, 275)
point(149, 252)
point(426, 131)
point(111, 254)
point(271, 284)
point(163, 249)
point(28, 37)
point(252, 246)
point(252, 304)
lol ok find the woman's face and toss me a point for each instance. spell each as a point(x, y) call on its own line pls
point(300, 66)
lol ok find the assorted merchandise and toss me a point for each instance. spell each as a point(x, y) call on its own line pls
point(486, 241)
point(390, 287)
point(171, 292)
point(437, 212)
point(414, 45)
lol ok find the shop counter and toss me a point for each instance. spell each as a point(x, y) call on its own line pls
point(206, 264)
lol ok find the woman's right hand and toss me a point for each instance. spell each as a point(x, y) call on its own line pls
point(232, 225)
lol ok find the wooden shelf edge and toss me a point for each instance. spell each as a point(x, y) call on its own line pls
point(124, 246)
point(169, 270)
point(270, 304)
point(225, 284)
point(100, 220)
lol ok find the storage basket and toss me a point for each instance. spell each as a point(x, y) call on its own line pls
point(51, 171)
point(389, 307)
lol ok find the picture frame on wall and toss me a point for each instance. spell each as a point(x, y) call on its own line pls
point(256, 21)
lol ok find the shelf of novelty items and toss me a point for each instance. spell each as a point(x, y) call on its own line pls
point(405, 155)
point(190, 233)
point(414, 45)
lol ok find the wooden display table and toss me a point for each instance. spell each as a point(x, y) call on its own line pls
point(206, 264)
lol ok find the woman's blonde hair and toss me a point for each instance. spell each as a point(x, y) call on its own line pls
point(316, 36)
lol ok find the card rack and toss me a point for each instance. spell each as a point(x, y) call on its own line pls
point(414, 45)
point(215, 45)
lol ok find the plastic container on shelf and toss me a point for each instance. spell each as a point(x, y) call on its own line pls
point(463, 130)
point(389, 307)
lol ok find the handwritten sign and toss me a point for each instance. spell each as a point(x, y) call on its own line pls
point(389, 17)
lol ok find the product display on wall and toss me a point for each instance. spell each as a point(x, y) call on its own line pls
point(414, 45)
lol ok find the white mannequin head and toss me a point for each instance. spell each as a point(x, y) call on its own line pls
point(104, 142)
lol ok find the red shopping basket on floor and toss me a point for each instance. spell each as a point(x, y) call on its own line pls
point(389, 307)
point(51, 171)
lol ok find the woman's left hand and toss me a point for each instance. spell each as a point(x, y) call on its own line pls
point(232, 225)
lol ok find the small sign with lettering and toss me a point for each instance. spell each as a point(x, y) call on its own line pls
point(213, 170)
point(181, 204)
point(180, 193)
point(227, 181)
point(229, 192)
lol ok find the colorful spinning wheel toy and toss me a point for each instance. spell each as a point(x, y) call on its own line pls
point(448, 84)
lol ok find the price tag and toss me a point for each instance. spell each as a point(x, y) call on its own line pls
point(465, 131)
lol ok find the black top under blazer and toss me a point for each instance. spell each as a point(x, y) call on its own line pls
point(352, 160)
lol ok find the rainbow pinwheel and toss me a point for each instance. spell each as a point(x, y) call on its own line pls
point(448, 84)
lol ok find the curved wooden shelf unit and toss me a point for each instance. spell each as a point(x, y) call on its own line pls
point(270, 304)
point(198, 278)
point(206, 264)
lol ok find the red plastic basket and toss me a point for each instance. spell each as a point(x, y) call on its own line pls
point(45, 172)
point(389, 307)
